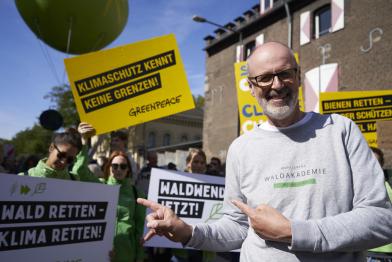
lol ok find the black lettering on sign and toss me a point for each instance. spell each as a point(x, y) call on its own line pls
point(193, 209)
point(183, 189)
point(374, 114)
point(135, 111)
point(40, 236)
point(121, 93)
point(42, 211)
point(384, 113)
point(125, 73)
point(338, 105)
point(367, 127)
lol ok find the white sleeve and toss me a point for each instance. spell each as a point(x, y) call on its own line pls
point(229, 232)
point(368, 224)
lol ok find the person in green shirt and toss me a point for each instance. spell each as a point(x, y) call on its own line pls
point(66, 149)
point(383, 253)
point(127, 245)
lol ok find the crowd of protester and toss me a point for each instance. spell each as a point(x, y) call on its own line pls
point(347, 212)
point(68, 159)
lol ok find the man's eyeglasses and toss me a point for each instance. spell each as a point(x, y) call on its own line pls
point(63, 155)
point(266, 80)
point(117, 166)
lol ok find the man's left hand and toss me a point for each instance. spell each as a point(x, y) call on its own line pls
point(267, 222)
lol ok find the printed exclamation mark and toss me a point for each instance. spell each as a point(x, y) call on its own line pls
point(100, 232)
point(197, 209)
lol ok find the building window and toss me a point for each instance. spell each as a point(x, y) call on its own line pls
point(249, 48)
point(151, 140)
point(184, 138)
point(322, 21)
point(166, 140)
point(267, 4)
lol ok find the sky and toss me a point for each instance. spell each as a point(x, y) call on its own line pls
point(27, 76)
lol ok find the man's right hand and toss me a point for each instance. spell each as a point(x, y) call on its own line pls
point(163, 222)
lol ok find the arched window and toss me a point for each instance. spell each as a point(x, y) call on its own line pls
point(322, 21)
point(166, 139)
point(151, 140)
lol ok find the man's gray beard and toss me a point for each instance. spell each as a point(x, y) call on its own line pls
point(278, 112)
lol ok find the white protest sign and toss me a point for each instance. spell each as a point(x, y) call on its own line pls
point(43, 219)
point(195, 198)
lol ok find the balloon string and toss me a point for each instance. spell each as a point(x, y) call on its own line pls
point(68, 42)
point(69, 34)
point(46, 53)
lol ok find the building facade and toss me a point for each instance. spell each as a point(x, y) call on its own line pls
point(342, 45)
point(166, 136)
point(170, 137)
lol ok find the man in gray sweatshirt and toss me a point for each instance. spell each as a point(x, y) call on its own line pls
point(300, 187)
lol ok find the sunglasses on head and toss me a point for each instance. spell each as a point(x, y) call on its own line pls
point(117, 166)
point(63, 155)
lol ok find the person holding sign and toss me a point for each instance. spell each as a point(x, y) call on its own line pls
point(299, 187)
point(67, 148)
point(130, 216)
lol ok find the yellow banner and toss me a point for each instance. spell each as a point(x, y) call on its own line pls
point(130, 84)
point(251, 113)
point(363, 107)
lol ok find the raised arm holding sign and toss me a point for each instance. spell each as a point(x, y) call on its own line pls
point(67, 148)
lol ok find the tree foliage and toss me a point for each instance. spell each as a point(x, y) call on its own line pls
point(62, 97)
point(36, 140)
point(33, 140)
point(199, 101)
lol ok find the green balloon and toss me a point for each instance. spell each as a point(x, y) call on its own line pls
point(87, 25)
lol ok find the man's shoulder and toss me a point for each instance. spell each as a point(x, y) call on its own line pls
point(330, 119)
point(243, 140)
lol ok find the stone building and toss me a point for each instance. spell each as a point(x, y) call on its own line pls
point(170, 137)
point(347, 41)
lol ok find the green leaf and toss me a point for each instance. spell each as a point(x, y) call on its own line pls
point(216, 212)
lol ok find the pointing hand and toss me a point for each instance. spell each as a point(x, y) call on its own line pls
point(163, 222)
point(267, 222)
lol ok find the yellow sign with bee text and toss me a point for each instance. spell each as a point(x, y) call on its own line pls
point(363, 107)
point(130, 84)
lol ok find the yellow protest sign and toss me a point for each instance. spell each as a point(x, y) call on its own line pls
point(363, 107)
point(251, 113)
point(130, 84)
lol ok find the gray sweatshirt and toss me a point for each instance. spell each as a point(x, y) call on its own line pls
point(322, 176)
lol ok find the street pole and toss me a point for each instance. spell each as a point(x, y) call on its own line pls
point(200, 19)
